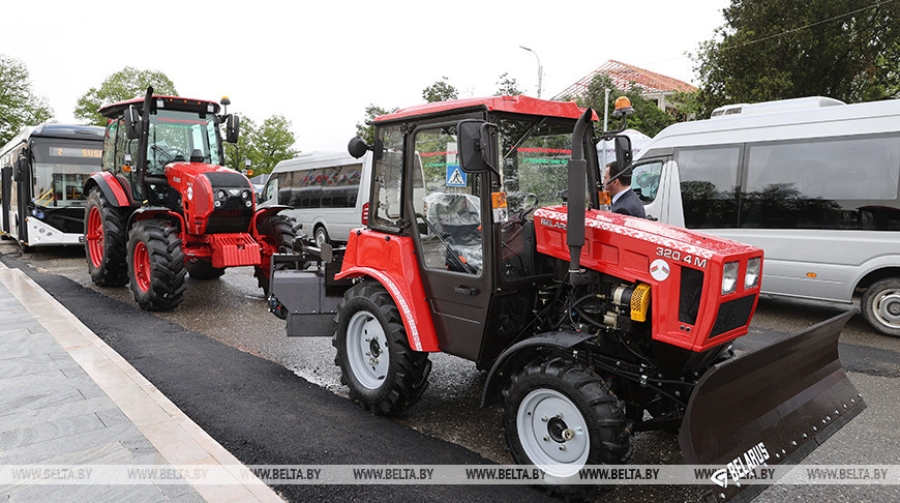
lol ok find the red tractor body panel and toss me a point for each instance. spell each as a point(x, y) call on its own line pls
point(520, 104)
point(189, 179)
point(639, 250)
point(391, 260)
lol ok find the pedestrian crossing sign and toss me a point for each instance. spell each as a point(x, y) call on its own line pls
point(455, 176)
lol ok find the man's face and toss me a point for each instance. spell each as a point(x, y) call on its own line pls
point(612, 186)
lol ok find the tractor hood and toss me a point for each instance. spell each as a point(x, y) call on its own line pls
point(693, 306)
point(215, 199)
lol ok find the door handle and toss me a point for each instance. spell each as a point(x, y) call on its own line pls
point(466, 290)
point(651, 217)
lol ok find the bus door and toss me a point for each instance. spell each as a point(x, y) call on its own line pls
point(5, 184)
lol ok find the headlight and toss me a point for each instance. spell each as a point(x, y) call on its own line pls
point(729, 278)
point(221, 194)
point(751, 279)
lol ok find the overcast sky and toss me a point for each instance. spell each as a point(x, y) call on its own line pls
point(319, 64)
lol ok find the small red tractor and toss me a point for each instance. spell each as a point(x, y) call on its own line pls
point(164, 207)
point(591, 325)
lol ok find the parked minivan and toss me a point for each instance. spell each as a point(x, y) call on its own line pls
point(328, 191)
point(812, 181)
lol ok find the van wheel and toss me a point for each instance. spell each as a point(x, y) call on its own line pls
point(560, 416)
point(384, 374)
point(881, 306)
point(322, 236)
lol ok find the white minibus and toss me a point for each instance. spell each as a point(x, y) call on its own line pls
point(327, 191)
point(812, 181)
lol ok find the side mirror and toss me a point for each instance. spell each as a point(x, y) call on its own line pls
point(20, 169)
point(477, 140)
point(132, 119)
point(623, 150)
point(357, 147)
point(232, 128)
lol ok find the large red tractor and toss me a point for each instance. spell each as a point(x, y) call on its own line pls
point(592, 325)
point(164, 207)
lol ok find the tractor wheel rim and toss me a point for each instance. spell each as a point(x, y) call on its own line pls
point(94, 237)
point(886, 307)
point(142, 267)
point(553, 432)
point(367, 350)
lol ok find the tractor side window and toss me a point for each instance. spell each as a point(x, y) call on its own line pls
point(387, 180)
point(448, 209)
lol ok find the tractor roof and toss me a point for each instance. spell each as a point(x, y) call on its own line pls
point(163, 102)
point(513, 104)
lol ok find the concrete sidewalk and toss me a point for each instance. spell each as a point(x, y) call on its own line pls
point(67, 398)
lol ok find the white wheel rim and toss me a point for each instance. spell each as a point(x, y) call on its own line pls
point(886, 307)
point(367, 350)
point(553, 432)
point(320, 237)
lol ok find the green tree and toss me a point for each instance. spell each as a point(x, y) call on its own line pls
point(237, 154)
point(778, 49)
point(271, 143)
point(441, 90)
point(123, 85)
point(647, 117)
point(19, 106)
point(366, 130)
point(507, 86)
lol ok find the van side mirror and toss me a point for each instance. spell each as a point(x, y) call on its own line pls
point(20, 168)
point(232, 128)
point(132, 119)
point(623, 150)
point(357, 147)
point(477, 141)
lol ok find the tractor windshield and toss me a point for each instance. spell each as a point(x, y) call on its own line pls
point(181, 137)
point(534, 157)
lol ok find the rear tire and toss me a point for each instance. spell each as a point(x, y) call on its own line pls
point(278, 232)
point(560, 416)
point(881, 306)
point(384, 375)
point(104, 241)
point(203, 269)
point(156, 265)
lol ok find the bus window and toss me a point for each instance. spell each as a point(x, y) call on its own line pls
point(645, 180)
point(709, 187)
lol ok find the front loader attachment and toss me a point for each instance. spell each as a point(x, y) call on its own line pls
point(770, 407)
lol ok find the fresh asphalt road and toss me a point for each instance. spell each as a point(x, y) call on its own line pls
point(288, 406)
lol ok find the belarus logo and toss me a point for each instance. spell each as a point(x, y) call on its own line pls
point(659, 269)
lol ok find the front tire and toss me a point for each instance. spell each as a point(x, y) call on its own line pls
point(384, 375)
point(156, 265)
point(560, 416)
point(278, 232)
point(881, 306)
point(104, 241)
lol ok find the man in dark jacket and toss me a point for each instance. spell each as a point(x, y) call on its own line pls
point(624, 200)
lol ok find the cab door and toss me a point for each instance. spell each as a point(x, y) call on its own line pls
point(451, 236)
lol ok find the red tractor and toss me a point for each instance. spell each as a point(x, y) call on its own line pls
point(592, 325)
point(164, 207)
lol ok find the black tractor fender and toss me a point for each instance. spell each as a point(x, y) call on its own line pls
point(515, 356)
point(261, 213)
point(110, 186)
point(157, 212)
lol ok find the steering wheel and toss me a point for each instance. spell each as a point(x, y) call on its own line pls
point(170, 153)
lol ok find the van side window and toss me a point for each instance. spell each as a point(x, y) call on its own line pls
point(709, 181)
point(826, 184)
point(645, 180)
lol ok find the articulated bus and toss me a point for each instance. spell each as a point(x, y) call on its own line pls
point(43, 170)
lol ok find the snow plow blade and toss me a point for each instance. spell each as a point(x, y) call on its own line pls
point(770, 407)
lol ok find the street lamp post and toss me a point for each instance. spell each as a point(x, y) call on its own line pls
point(540, 68)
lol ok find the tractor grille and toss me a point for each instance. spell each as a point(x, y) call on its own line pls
point(691, 290)
point(733, 314)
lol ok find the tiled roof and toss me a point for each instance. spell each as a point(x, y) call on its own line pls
point(623, 76)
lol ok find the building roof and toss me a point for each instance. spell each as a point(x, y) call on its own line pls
point(623, 76)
